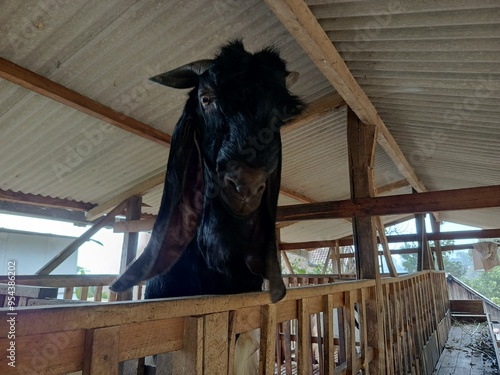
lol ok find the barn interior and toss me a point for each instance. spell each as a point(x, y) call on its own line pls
point(402, 121)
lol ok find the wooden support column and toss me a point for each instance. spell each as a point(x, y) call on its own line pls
point(361, 139)
point(436, 228)
point(130, 240)
point(424, 259)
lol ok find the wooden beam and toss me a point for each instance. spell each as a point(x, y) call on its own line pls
point(455, 235)
point(50, 89)
point(71, 248)
point(39, 200)
point(60, 214)
point(139, 189)
point(445, 200)
point(315, 110)
point(305, 28)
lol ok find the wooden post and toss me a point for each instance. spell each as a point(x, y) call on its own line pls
point(130, 239)
point(361, 140)
point(436, 228)
point(424, 260)
point(101, 351)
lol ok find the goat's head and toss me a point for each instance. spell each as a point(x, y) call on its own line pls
point(228, 150)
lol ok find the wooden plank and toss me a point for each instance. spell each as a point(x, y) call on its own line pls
point(71, 248)
point(215, 347)
point(328, 324)
point(305, 28)
point(101, 351)
point(49, 353)
point(189, 359)
point(50, 89)
point(148, 338)
point(267, 340)
point(304, 360)
point(445, 200)
point(145, 225)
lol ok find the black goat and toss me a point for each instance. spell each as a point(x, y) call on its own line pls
point(215, 231)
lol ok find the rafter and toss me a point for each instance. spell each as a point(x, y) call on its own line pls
point(44, 86)
point(40, 200)
point(305, 28)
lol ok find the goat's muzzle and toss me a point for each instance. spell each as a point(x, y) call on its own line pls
point(243, 190)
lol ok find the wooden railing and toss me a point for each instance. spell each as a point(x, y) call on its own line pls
point(328, 320)
point(86, 287)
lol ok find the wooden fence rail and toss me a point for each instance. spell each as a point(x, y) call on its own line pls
point(318, 328)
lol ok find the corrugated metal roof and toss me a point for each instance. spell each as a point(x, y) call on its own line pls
point(432, 70)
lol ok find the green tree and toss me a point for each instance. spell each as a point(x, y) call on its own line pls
point(487, 283)
point(452, 265)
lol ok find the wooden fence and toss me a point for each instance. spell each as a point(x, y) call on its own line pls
point(320, 329)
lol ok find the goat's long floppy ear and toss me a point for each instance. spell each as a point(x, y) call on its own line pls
point(185, 76)
point(180, 209)
point(277, 287)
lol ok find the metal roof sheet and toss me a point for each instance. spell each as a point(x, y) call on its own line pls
point(432, 70)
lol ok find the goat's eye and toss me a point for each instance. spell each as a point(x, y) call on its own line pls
point(205, 100)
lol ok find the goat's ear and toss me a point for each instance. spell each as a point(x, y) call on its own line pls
point(277, 287)
point(179, 213)
point(185, 76)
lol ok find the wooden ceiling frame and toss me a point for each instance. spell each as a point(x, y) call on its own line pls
point(55, 91)
point(298, 19)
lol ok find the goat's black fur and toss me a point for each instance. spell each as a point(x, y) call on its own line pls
point(215, 229)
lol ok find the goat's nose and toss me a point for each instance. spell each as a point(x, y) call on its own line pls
point(245, 185)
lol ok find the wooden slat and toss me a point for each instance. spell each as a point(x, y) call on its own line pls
point(445, 200)
point(189, 359)
point(148, 338)
point(328, 319)
point(267, 340)
point(101, 351)
point(304, 360)
point(44, 86)
point(215, 348)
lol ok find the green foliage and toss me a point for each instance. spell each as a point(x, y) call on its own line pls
point(451, 264)
point(487, 283)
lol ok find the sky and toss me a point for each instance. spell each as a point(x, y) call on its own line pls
point(103, 256)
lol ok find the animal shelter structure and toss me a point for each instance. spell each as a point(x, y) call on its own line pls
point(401, 121)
